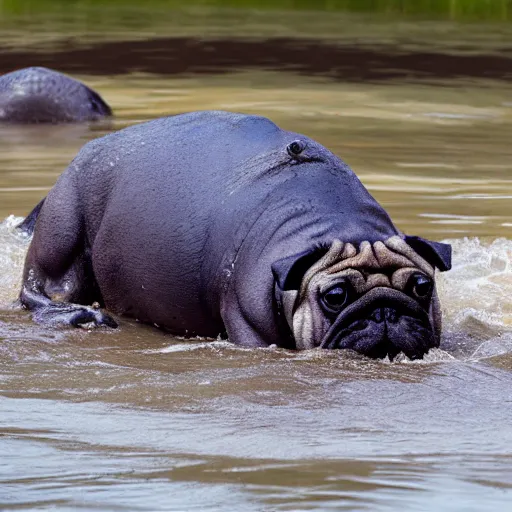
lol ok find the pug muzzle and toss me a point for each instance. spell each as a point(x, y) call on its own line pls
point(383, 322)
point(378, 299)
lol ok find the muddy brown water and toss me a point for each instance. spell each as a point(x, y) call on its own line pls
point(133, 419)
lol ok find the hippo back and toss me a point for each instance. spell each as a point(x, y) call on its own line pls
point(168, 204)
point(150, 195)
point(40, 95)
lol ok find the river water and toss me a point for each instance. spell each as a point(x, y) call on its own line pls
point(133, 419)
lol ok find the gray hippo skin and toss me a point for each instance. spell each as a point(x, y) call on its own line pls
point(217, 223)
point(40, 95)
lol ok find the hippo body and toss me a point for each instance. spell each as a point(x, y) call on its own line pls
point(41, 95)
point(200, 223)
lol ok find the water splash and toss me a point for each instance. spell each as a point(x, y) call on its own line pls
point(476, 295)
point(13, 248)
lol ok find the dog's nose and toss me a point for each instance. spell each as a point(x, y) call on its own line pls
point(381, 314)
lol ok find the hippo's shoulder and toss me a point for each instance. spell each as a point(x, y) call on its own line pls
point(221, 118)
point(205, 123)
point(207, 130)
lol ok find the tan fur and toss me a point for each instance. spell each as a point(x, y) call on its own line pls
point(383, 264)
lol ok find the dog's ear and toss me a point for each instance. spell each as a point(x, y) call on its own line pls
point(288, 272)
point(437, 254)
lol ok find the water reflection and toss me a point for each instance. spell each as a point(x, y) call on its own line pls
point(307, 57)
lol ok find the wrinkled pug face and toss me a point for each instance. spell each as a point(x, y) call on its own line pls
point(378, 299)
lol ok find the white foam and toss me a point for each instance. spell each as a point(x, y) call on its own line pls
point(476, 294)
point(186, 347)
point(13, 248)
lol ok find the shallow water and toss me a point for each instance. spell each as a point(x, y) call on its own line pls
point(134, 419)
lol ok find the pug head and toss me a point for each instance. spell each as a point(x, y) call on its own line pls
point(377, 298)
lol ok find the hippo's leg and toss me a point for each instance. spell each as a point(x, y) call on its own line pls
point(56, 300)
point(58, 279)
point(49, 312)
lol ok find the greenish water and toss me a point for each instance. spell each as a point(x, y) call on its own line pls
point(480, 10)
point(447, 25)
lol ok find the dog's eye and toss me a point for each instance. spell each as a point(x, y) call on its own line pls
point(421, 285)
point(335, 298)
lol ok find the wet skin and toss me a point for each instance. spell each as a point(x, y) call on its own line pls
point(40, 95)
point(207, 223)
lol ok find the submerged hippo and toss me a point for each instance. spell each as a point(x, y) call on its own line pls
point(218, 223)
point(40, 95)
